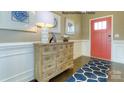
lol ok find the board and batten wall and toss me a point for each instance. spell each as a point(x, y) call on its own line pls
point(118, 29)
point(17, 54)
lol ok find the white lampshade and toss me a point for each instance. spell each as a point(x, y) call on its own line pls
point(45, 19)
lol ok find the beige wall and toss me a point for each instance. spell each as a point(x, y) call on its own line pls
point(20, 36)
point(82, 28)
point(118, 23)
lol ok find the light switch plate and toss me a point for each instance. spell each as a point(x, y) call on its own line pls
point(116, 35)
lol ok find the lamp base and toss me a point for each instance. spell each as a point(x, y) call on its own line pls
point(44, 36)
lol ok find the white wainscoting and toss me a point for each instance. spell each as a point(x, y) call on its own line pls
point(17, 59)
point(77, 48)
point(81, 47)
point(16, 62)
point(85, 47)
point(118, 51)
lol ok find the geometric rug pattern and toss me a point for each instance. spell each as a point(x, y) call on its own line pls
point(95, 70)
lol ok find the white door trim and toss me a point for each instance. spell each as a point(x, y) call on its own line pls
point(111, 33)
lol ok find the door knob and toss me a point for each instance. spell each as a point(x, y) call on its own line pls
point(109, 35)
point(109, 38)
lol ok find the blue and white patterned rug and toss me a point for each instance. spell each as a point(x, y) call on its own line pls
point(94, 71)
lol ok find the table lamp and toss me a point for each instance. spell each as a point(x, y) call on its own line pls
point(45, 21)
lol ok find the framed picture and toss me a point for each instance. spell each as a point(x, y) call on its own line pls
point(57, 24)
point(70, 26)
point(18, 20)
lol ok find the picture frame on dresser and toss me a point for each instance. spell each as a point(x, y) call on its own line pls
point(18, 20)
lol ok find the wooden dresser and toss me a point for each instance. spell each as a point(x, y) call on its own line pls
point(52, 59)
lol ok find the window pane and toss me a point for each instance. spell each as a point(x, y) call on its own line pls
point(99, 25)
point(96, 26)
point(104, 23)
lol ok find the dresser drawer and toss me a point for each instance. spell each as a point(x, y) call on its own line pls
point(60, 54)
point(46, 49)
point(66, 60)
point(60, 47)
point(60, 61)
point(49, 73)
point(70, 46)
point(61, 67)
point(69, 63)
point(53, 48)
point(48, 66)
point(70, 56)
point(47, 59)
point(65, 47)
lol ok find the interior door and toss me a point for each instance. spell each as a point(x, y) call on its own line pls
point(101, 38)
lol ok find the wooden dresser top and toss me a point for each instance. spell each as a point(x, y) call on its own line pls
point(38, 43)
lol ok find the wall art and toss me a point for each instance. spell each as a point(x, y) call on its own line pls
point(57, 24)
point(18, 20)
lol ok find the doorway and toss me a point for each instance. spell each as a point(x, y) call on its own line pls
point(101, 37)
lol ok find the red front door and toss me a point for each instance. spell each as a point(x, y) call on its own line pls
point(101, 38)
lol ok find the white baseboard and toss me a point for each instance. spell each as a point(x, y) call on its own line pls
point(20, 77)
